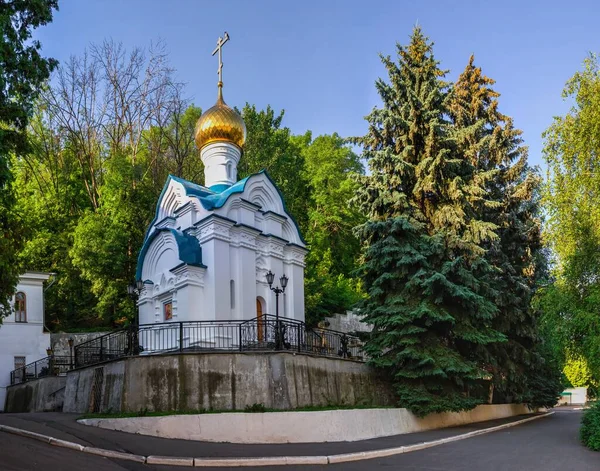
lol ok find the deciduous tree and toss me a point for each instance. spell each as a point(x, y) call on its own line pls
point(23, 71)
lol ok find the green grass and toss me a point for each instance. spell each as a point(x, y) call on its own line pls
point(254, 409)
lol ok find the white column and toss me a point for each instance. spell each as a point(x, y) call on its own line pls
point(214, 237)
point(189, 284)
point(246, 292)
point(294, 267)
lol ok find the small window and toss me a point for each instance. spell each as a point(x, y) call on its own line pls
point(20, 307)
point(229, 171)
point(168, 310)
point(232, 293)
point(19, 362)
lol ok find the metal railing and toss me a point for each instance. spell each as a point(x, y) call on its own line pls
point(264, 333)
point(50, 366)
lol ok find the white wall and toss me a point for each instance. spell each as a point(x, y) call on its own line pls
point(578, 396)
point(302, 427)
point(23, 339)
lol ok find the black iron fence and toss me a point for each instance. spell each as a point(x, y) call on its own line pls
point(50, 366)
point(264, 333)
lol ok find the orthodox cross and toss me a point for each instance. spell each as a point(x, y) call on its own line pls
point(220, 44)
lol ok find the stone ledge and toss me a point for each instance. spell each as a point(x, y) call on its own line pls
point(301, 427)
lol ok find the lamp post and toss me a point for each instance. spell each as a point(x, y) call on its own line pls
point(284, 281)
point(134, 291)
point(133, 340)
point(71, 342)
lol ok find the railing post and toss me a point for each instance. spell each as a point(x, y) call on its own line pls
point(181, 336)
point(299, 339)
point(34, 371)
point(240, 336)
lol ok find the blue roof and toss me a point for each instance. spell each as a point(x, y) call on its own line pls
point(211, 199)
point(189, 248)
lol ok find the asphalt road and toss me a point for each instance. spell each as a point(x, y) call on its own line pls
point(548, 444)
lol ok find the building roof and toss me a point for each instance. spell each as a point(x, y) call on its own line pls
point(210, 199)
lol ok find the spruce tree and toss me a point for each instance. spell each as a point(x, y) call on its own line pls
point(424, 269)
point(495, 148)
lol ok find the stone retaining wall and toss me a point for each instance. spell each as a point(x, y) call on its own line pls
point(223, 381)
point(40, 395)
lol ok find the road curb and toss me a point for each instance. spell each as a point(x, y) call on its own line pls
point(367, 455)
point(170, 461)
point(261, 461)
point(120, 455)
point(25, 433)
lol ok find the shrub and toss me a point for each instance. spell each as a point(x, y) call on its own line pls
point(590, 427)
point(258, 407)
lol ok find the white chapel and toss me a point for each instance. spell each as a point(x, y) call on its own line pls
point(208, 250)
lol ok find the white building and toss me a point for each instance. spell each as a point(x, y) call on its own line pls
point(22, 337)
point(208, 249)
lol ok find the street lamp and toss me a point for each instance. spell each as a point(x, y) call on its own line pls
point(135, 290)
point(133, 346)
point(283, 281)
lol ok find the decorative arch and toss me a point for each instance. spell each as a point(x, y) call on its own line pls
point(289, 232)
point(264, 196)
point(161, 254)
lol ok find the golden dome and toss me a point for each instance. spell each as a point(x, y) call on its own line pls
point(220, 123)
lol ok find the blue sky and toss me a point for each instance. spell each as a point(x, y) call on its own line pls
point(318, 60)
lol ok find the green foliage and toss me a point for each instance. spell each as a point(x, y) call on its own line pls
point(571, 198)
point(106, 241)
point(430, 299)
point(488, 139)
point(329, 167)
point(544, 380)
point(589, 433)
point(578, 373)
point(22, 72)
point(257, 407)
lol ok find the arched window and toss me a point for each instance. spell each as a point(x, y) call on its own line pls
point(20, 307)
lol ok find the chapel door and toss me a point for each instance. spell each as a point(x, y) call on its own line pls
point(259, 320)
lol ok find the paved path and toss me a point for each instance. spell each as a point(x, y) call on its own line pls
point(548, 444)
point(65, 427)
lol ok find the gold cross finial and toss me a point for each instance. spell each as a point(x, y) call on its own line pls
point(220, 43)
